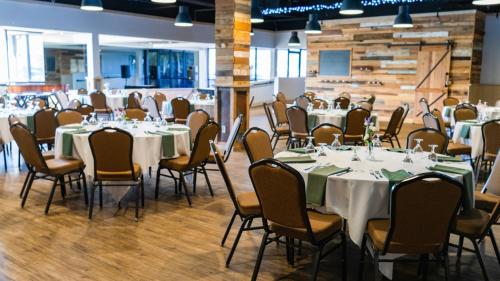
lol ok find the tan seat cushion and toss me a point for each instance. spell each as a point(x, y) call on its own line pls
point(249, 203)
point(301, 136)
point(178, 164)
point(103, 110)
point(323, 226)
point(486, 201)
point(48, 155)
point(283, 130)
point(490, 156)
point(377, 230)
point(63, 166)
point(471, 223)
point(459, 149)
point(119, 176)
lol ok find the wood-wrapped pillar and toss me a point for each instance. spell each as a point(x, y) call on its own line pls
point(232, 40)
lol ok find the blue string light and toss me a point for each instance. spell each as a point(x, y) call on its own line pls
point(334, 6)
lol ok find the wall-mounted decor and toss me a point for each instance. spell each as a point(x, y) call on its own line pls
point(335, 63)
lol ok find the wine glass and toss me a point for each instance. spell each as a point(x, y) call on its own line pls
point(310, 146)
point(418, 150)
point(336, 143)
point(355, 156)
point(322, 150)
point(337, 106)
point(85, 122)
point(134, 123)
point(148, 117)
point(407, 158)
point(93, 120)
point(158, 122)
point(433, 156)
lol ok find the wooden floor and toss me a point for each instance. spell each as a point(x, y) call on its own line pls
point(171, 242)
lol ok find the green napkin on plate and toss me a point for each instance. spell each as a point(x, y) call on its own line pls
point(316, 183)
point(442, 158)
point(312, 121)
point(167, 143)
point(297, 159)
point(300, 150)
point(67, 141)
point(468, 182)
point(398, 150)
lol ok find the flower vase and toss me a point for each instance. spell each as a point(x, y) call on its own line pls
point(371, 153)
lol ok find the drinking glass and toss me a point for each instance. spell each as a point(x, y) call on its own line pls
point(134, 123)
point(355, 156)
point(407, 158)
point(322, 150)
point(310, 146)
point(84, 120)
point(336, 143)
point(93, 120)
point(148, 117)
point(337, 106)
point(433, 156)
point(418, 150)
point(158, 122)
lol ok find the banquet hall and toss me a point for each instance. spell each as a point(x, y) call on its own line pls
point(249, 140)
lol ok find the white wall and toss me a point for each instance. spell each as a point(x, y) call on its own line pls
point(291, 87)
point(263, 93)
point(490, 71)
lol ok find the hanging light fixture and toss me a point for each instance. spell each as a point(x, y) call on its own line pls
point(403, 19)
point(164, 1)
point(312, 25)
point(351, 7)
point(257, 16)
point(183, 18)
point(91, 5)
point(485, 2)
point(294, 40)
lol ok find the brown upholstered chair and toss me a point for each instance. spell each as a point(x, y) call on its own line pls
point(343, 102)
point(82, 92)
point(74, 104)
point(406, 108)
point(429, 137)
point(40, 167)
point(491, 144)
point(62, 99)
point(355, 125)
point(45, 126)
point(279, 109)
point(424, 106)
point(310, 95)
point(281, 97)
point(135, 113)
point(98, 101)
point(68, 116)
point(462, 114)
point(196, 120)
point(185, 164)
point(391, 132)
point(257, 144)
point(282, 197)
point(159, 99)
point(181, 109)
point(279, 131)
point(150, 106)
point(417, 225)
point(366, 105)
point(467, 105)
point(246, 205)
point(324, 133)
point(113, 165)
point(345, 95)
point(319, 103)
point(450, 101)
point(85, 110)
point(302, 102)
point(371, 99)
point(134, 100)
point(298, 122)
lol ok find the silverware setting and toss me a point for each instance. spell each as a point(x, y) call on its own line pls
point(344, 172)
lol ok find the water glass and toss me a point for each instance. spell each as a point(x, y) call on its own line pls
point(336, 143)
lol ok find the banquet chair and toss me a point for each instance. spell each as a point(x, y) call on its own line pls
point(424, 106)
point(429, 137)
point(68, 116)
point(355, 125)
point(302, 102)
point(246, 205)
point(320, 104)
point(160, 98)
point(74, 104)
point(82, 92)
point(196, 120)
point(85, 109)
point(40, 167)
point(113, 166)
point(324, 133)
point(345, 95)
point(310, 95)
point(450, 101)
point(464, 113)
point(298, 123)
point(98, 101)
point(150, 106)
point(185, 165)
point(417, 225)
point(62, 99)
point(491, 145)
point(281, 97)
point(228, 148)
point(279, 130)
point(486, 198)
point(257, 144)
point(467, 105)
point(342, 102)
point(366, 105)
point(371, 99)
point(281, 193)
point(406, 108)
point(391, 132)
point(181, 109)
point(134, 100)
point(45, 125)
point(135, 113)
point(279, 109)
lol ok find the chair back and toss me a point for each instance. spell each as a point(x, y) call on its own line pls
point(467, 105)
point(355, 121)
point(153, 109)
point(281, 193)
point(493, 183)
point(13, 119)
point(85, 109)
point(98, 100)
point(281, 97)
point(257, 144)
point(297, 120)
point(269, 116)
point(491, 137)
point(464, 113)
point(392, 127)
point(159, 99)
point(62, 99)
point(342, 102)
point(74, 104)
point(430, 121)
point(201, 147)
point(424, 105)
point(302, 102)
point(180, 108)
point(345, 95)
point(68, 116)
point(135, 113)
point(324, 133)
point(112, 152)
point(134, 100)
point(82, 92)
point(28, 147)
point(366, 105)
point(42, 103)
point(232, 137)
point(406, 108)
point(319, 103)
point(439, 116)
point(196, 120)
point(279, 109)
point(422, 210)
point(450, 101)
point(310, 95)
point(371, 99)
point(45, 123)
point(429, 136)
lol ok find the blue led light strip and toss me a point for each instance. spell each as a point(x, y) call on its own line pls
point(334, 6)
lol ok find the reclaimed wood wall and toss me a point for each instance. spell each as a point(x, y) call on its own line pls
point(390, 72)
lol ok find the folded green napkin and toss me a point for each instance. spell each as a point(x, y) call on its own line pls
point(67, 141)
point(312, 121)
point(191, 107)
point(300, 150)
point(316, 184)
point(449, 159)
point(447, 112)
point(297, 159)
point(30, 120)
point(398, 150)
point(467, 181)
point(167, 143)
point(465, 132)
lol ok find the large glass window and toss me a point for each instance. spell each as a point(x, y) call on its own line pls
point(211, 68)
point(26, 57)
point(291, 63)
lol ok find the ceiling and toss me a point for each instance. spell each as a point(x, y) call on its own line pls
point(204, 10)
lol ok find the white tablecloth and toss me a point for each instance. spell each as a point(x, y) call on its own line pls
point(147, 150)
point(336, 117)
point(358, 196)
point(207, 105)
point(5, 135)
point(475, 139)
point(490, 112)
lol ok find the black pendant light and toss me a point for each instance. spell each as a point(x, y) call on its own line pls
point(485, 2)
point(257, 16)
point(294, 40)
point(312, 25)
point(403, 19)
point(183, 18)
point(351, 7)
point(91, 5)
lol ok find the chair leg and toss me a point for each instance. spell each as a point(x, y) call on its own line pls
point(63, 187)
point(446, 265)
point(85, 191)
point(344, 256)
point(397, 140)
point(362, 259)
point(28, 187)
point(91, 207)
point(208, 181)
point(157, 186)
point(175, 181)
point(47, 207)
point(276, 142)
point(236, 241)
point(459, 249)
point(392, 143)
point(259, 256)
point(317, 261)
point(376, 275)
point(24, 184)
point(425, 266)
point(100, 195)
point(142, 191)
point(137, 196)
point(183, 181)
point(480, 260)
point(228, 229)
point(495, 247)
point(195, 176)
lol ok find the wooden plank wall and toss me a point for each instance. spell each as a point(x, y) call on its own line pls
point(391, 72)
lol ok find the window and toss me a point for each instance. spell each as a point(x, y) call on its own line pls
point(291, 63)
point(211, 68)
point(26, 57)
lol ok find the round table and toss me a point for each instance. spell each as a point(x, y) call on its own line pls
point(336, 117)
point(490, 112)
point(470, 133)
point(113, 101)
point(22, 114)
point(206, 105)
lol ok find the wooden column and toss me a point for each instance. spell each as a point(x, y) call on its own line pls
point(232, 40)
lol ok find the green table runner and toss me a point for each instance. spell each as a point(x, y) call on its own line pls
point(296, 159)
point(316, 184)
point(125, 102)
point(312, 121)
point(30, 120)
point(67, 141)
point(447, 112)
point(300, 150)
point(467, 180)
point(394, 178)
point(167, 143)
point(465, 132)
point(449, 159)
point(180, 129)
point(398, 150)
